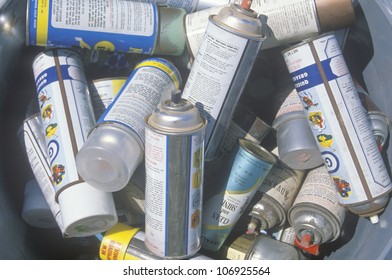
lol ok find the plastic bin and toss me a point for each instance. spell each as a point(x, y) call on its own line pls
point(366, 50)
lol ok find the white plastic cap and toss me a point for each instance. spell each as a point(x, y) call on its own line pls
point(109, 157)
point(374, 219)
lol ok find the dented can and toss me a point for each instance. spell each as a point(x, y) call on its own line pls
point(340, 125)
point(174, 160)
point(222, 66)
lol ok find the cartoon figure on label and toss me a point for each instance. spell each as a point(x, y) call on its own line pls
point(326, 141)
point(51, 130)
point(307, 100)
point(42, 99)
point(343, 187)
point(317, 121)
point(47, 113)
point(195, 219)
point(58, 172)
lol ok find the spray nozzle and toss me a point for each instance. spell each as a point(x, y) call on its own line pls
point(246, 4)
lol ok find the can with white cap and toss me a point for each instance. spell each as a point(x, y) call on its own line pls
point(66, 119)
point(115, 146)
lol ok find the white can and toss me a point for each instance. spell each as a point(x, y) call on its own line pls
point(67, 118)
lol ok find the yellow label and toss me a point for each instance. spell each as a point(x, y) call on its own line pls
point(163, 67)
point(42, 22)
point(115, 242)
point(117, 85)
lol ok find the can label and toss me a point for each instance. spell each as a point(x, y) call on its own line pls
point(209, 81)
point(157, 199)
point(65, 112)
point(150, 82)
point(111, 25)
point(338, 120)
point(102, 93)
point(34, 142)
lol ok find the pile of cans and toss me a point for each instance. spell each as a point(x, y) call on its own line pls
point(145, 131)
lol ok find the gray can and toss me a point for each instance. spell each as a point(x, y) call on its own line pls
point(221, 68)
point(174, 160)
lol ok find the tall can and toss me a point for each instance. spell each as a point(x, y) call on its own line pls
point(115, 146)
point(222, 66)
point(108, 25)
point(246, 170)
point(316, 215)
point(66, 119)
point(33, 138)
point(174, 161)
point(340, 125)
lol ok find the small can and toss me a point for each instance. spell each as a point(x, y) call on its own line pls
point(275, 196)
point(66, 119)
point(32, 136)
point(246, 170)
point(340, 125)
point(102, 93)
point(108, 25)
point(316, 215)
point(221, 68)
point(123, 242)
point(115, 145)
point(174, 160)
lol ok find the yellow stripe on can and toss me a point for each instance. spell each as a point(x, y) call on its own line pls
point(42, 22)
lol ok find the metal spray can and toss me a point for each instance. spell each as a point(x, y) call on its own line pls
point(340, 125)
point(275, 196)
point(174, 161)
point(246, 170)
point(115, 146)
point(110, 25)
point(221, 68)
point(316, 215)
point(66, 119)
point(123, 242)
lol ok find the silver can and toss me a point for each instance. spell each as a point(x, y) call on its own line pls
point(221, 68)
point(174, 160)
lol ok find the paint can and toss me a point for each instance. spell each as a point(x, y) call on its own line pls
point(340, 125)
point(115, 146)
point(244, 173)
point(66, 120)
point(174, 160)
point(108, 25)
point(316, 215)
point(222, 66)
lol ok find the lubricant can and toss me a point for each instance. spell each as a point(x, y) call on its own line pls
point(222, 66)
point(66, 119)
point(246, 170)
point(108, 25)
point(258, 247)
point(286, 21)
point(275, 196)
point(123, 242)
point(32, 138)
point(174, 160)
point(115, 146)
point(316, 215)
point(340, 125)
point(102, 93)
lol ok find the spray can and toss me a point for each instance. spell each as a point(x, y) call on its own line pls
point(286, 21)
point(33, 139)
point(316, 215)
point(115, 146)
point(248, 168)
point(340, 125)
point(220, 71)
point(108, 25)
point(123, 242)
point(274, 198)
point(258, 247)
point(174, 161)
point(66, 119)
point(102, 93)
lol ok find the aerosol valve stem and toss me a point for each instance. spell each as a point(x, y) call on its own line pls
point(175, 96)
point(246, 4)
